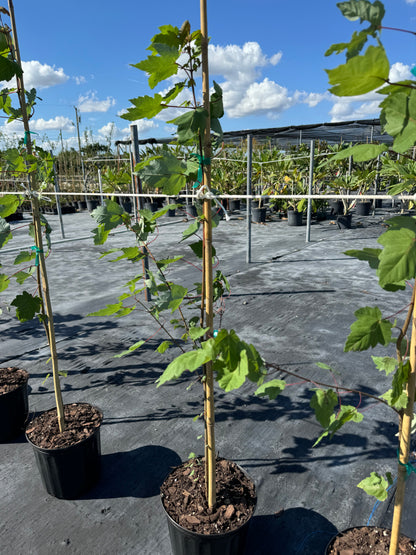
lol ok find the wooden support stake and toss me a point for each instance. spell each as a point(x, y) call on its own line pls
point(404, 439)
point(207, 270)
point(43, 282)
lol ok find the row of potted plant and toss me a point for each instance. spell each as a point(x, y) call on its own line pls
point(207, 352)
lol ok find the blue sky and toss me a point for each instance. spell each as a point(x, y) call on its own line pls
point(268, 55)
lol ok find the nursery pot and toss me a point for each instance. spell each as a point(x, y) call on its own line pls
point(82, 205)
point(152, 206)
point(344, 222)
point(259, 214)
point(172, 211)
point(336, 207)
point(294, 218)
point(365, 539)
point(363, 208)
point(189, 542)
point(14, 407)
point(92, 204)
point(191, 210)
point(234, 204)
point(67, 472)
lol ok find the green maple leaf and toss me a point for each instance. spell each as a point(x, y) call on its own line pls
point(4, 282)
point(398, 118)
point(385, 364)
point(345, 414)
point(376, 485)
point(323, 403)
point(368, 330)
point(271, 389)
point(369, 255)
point(26, 306)
point(8, 205)
point(373, 12)
point(191, 124)
point(189, 361)
point(167, 173)
point(398, 258)
point(360, 74)
point(161, 64)
point(361, 153)
point(144, 107)
point(5, 233)
point(9, 69)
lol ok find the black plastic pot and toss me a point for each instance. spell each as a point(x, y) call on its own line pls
point(363, 208)
point(348, 530)
point(92, 204)
point(152, 206)
point(294, 218)
point(259, 215)
point(234, 204)
point(187, 542)
point(16, 216)
point(344, 222)
point(68, 472)
point(336, 207)
point(191, 210)
point(14, 408)
point(82, 205)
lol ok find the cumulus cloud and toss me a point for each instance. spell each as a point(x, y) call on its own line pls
point(56, 123)
point(79, 79)
point(245, 93)
point(42, 76)
point(90, 103)
point(347, 108)
point(399, 71)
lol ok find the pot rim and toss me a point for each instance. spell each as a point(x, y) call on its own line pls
point(61, 449)
point(220, 534)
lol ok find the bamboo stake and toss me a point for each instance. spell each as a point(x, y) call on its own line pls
point(43, 284)
point(404, 439)
point(207, 268)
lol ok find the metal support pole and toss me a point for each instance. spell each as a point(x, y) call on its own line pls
point(249, 172)
point(308, 214)
point(100, 185)
point(135, 159)
point(58, 202)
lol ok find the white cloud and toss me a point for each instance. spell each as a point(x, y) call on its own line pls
point(90, 103)
point(42, 76)
point(55, 124)
point(244, 92)
point(239, 64)
point(79, 79)
point(367, 105)
point(266, 97)
point(410, 1)
point(399, 71)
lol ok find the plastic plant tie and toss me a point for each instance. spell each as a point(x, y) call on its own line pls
point(27, 135)
point(38, 251)
point(409, 466)
point(215, 333)
point(203, 161)
point(204, 193)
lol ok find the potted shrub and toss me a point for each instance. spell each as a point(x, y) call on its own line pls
point(66, 459)
point(204, 351)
